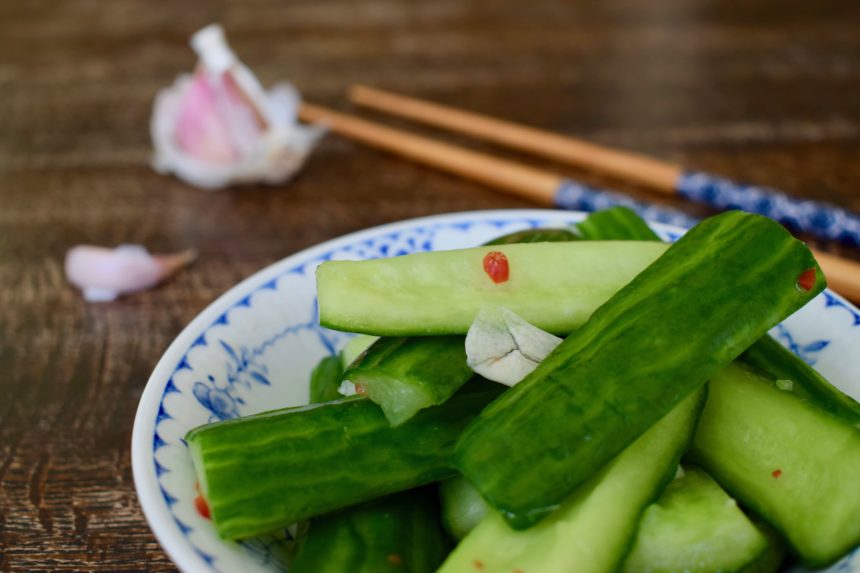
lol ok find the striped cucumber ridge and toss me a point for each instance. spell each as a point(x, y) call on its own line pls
point(713, 293)
point(766, 355)
point(265, 472)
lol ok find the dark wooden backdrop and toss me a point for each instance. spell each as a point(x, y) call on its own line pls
point(761, 91)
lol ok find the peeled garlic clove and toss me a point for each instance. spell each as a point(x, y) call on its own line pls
point(103, 274)
point(218, 126)
point(502, 347)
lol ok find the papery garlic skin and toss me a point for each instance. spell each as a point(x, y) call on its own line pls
point(218, 127)
point(503, 347)
point(103, 274)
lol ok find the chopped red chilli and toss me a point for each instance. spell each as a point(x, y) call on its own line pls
point(496, 266)
point(776, 473)
point(202, 507)
point(806, 280)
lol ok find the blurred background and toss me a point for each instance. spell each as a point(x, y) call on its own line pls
point(763, 92)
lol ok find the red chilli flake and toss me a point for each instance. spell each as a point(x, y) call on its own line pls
point(202, 507)
point(496, 266)
point(361, 389)
point(776, 473)
point(806, 280)
point(395, 559)
point(477, 563)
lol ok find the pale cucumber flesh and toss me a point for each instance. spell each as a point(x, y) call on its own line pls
point(555, 286)
point(695, 527)
point(793, 464)
point(463, 508)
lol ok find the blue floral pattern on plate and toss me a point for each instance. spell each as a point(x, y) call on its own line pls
point(253, 350)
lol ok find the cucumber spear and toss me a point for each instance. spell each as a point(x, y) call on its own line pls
point(715, 292)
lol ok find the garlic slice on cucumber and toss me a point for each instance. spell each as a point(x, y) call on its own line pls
point(502, 347)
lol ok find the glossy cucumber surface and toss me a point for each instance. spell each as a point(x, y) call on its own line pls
point(270, 470)
point(714, 292)
point(397, 533)
point(406, 374)
point(695, 527)
point(400, 533)
point(792, 463)
point(766, 354)
point(593, 529)
point(555, 286)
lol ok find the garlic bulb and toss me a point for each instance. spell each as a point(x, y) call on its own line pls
point(218, 127)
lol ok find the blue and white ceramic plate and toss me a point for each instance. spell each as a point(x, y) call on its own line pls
point(253, 350)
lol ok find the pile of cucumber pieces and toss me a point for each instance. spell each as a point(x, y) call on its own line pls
point(666, 431)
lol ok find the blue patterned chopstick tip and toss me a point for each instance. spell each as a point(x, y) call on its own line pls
point(578, 197)
point(823, 220)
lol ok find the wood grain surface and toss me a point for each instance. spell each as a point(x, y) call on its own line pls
point(760, 91)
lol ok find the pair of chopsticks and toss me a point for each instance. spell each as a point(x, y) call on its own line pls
point(824, 220)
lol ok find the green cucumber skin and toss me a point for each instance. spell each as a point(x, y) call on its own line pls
point(400, 532)
point(325, 380)
point(543, 235)
point(396, 534)
point(270, 470)
point(750, 429)
point(405, 375)
point(615, 224)
point(766, 355)
point(695, 527)
point(714, 292)
point(594, 528)
point(555, 286)
point(779, 363)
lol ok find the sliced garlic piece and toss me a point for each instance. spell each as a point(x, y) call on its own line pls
point(502, 347)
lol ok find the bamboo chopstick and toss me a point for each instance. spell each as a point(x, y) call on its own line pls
point(535, 184)
point(545, 187)
point(653, 173)
point(824, 220)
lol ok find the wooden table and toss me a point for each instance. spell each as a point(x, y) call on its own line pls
point(739, 88)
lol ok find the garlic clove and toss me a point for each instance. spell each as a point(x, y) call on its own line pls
point(502, 347)
point(103, 274)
